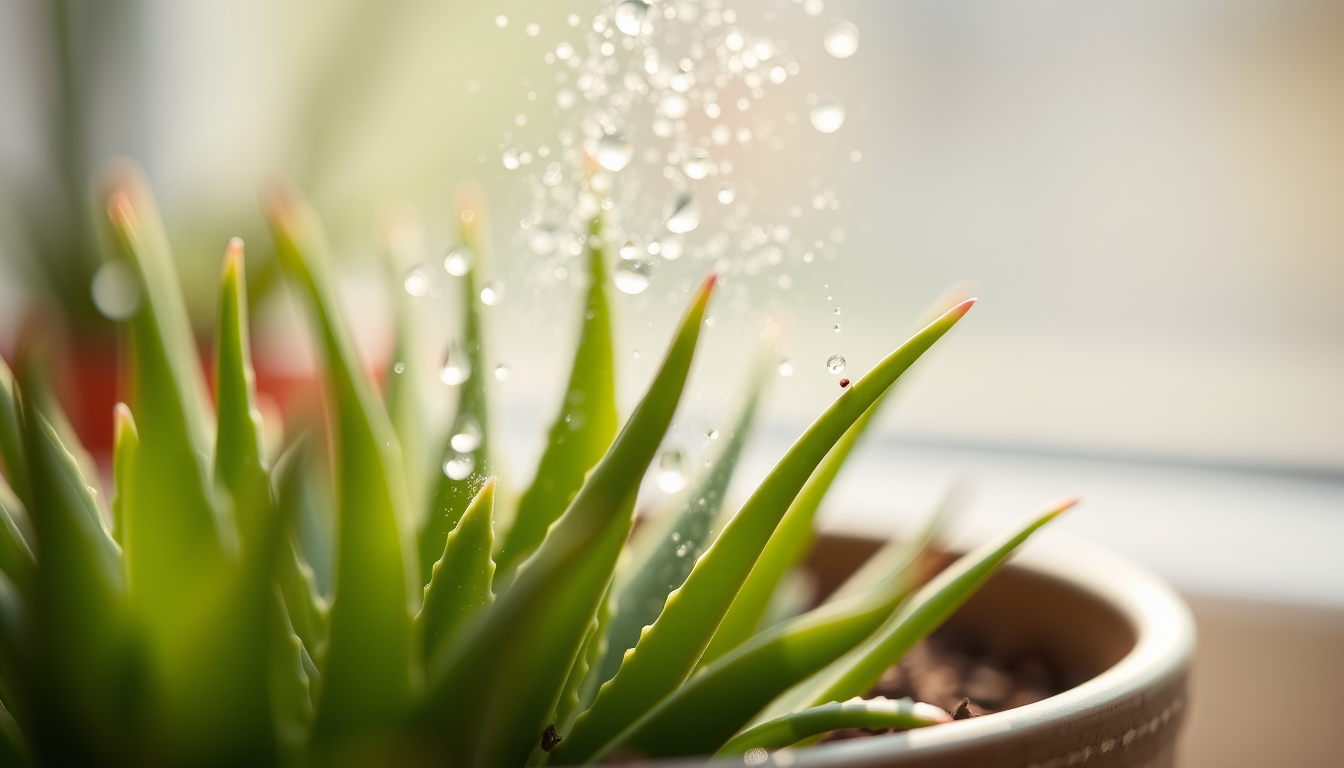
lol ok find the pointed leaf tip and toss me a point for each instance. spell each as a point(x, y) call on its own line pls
point(234, 252)
point(121, 212)
point(961, 309)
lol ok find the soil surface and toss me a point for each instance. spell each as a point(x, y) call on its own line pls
point(962, 679)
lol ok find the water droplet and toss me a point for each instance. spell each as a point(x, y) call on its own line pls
point(501, 21)
point(835, 364)
point(674, 106)
point(697, 163)
point(837, 327)
point(636, 354)
point(563, 51)
point(683, 214)
point(459, 466)
point(712, 434)
point(630, 16)
point(683, 549)
point(542, 240)
point(466, 435)
point(456, 364)
point(841, 39)
point(726, 194)
point(457, 262)
point(813, 7)
point(630, 250)
point(672, 470)
point(614, 152)
point(399, 368)
point(419, 280)
point(836, 311)
point(632, 275)
point(511, 159)
point(533, 30)
point(501, 372)
point(671, 247)
point(828, 114)
point(785, 368)
point(493, 293)
point(115, 291)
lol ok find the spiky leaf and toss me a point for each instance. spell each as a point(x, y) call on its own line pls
point(876, 713)
point(459, 586)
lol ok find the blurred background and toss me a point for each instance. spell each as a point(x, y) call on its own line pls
point(1147, 197)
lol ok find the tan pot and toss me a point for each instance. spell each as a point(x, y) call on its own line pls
point(1112, 626)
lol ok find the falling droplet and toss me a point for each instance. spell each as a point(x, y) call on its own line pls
point(672, 471)
point(457, 262)
point(837, 328)
point(419, 280)
point(683, 215)
point(459, 466)
point(501, 372)
point(115, 291)
point(697, 164)
point(674, 106)
point(456, 364)
point(785, 368)
point(836, 311)
point(493, 293)
point(632, 275)
point(630, 16)
point(614, 151)
point(828, 114)
point(835, 364)
point(466, 435)
point(841, 39)
point(399, 368)
point(630, 250)
point(671, 247)
point(726, 194)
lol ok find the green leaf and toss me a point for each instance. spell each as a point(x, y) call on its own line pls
point(671, 561)
point(177, 537)
point(787, 546)
point(13, 746)
point(11, 442)
point(367, 673)
point(78, 606)
point(16, 551)
point(703, 714)
point(582, 431)
point(452, 496)
point(505, 678)
point(239, 466)
point(291, 694)
point(855, 713)
point(125, 451)
point(459, 587)
point(581, 686)
point(670, 649)
point(855, 673)
point(308, 611)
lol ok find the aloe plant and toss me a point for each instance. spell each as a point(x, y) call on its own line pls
point(183, 622)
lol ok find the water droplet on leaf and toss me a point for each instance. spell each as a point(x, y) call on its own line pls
point(672, 470)
point(632, 275)
point(456, 364)
point(493, 293)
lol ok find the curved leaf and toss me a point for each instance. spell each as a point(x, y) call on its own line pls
point(855, 673)
point(855, 713)
point(582, 431)
point(499, 684)
point(11, 442)
point(671, 561)
point(459, 586)
point(16, 551)
point(719, 699)
point(670, 649)
point(367, 674)
point(452, 496)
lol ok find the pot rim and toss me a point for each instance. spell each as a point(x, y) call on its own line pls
point(1164, 645)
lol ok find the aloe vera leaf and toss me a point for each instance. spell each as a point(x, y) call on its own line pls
point(582, 431)
point(11, 442)
point(504, 678)
point(855, 673)
point(13, 745)
point(451, 496)
point(719, 699)
point(78, 605)
point(16, 553)
point(669, 650)
point(239, 466)
point(671, 561)
point(459, 586)
point(367, 673)
point(16, 653)
point(877, 568)
point(125, 450)
point(856, 713)
point(581, 685)
point(306, 610)
point(177, 536)
point(291, 699)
